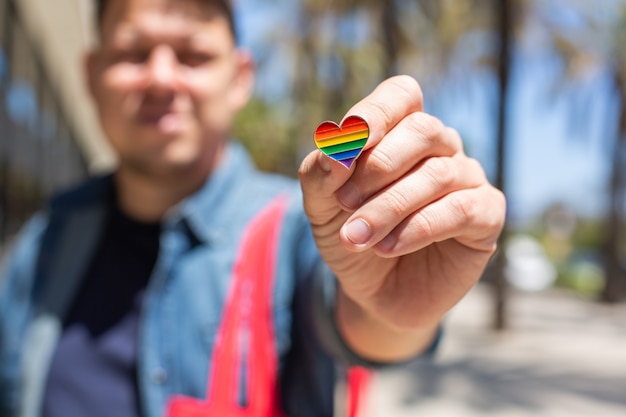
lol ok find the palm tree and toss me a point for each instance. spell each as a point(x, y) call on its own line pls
point(600, 45)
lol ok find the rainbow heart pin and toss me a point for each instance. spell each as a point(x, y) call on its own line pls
point(343, 143)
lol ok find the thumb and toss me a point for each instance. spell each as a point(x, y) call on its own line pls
point(320, 178)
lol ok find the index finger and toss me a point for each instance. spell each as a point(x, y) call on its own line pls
point(393, 99)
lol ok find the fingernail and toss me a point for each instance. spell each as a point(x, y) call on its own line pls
point(358, 232)
point(349, 196)
point(325, 163)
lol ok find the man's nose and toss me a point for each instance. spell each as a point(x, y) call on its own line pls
point(162, 69)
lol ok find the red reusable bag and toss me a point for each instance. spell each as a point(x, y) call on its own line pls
point(245, 342)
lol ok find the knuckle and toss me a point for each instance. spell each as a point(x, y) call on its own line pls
point(426, 127)
point(475, 169)
point(422, 224)
point(309, 176)
point(396, 202)
point(385, 110)
point(466, 206)
point(495, 199)
point(497, 222)
point(405, 81)
point(475, 165)
point(494, 223)
point(408, 87)
point(305, 168)
point(454, 137)
point(440, 172)
point(380, 163)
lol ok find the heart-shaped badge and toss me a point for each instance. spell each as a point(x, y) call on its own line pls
point(343, 143)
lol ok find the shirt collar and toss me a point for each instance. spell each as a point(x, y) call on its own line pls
point(201, 211)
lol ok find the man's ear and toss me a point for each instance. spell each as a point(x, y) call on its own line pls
point(243, 84)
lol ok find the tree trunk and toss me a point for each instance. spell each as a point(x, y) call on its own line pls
point(615, 284)
point(389, 29)
point(504, 19)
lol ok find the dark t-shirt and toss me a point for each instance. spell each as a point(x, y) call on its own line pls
point(93, 371)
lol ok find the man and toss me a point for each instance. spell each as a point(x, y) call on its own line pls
point(113, 298)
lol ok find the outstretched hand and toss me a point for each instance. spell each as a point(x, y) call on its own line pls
point(408, 230)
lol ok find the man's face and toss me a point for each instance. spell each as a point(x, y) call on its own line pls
point(167, 81)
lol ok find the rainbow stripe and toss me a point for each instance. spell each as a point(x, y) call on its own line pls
point(343, 143)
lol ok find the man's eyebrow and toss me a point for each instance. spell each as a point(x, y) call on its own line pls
point(130, 35)
point(123, 35)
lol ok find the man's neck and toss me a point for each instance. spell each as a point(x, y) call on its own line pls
point(148, 198)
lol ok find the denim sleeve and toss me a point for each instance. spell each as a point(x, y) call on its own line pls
point(324, 288)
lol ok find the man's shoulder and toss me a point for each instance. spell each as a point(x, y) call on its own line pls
point(238, 189)
point(94, 190)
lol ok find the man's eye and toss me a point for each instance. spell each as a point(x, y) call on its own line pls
point(194, 59)
point(133, 57)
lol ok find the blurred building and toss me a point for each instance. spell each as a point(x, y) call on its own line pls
point(49, 136)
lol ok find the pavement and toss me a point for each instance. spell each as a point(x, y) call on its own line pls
point(562, 355)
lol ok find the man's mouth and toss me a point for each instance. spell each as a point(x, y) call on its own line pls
point(165, 120)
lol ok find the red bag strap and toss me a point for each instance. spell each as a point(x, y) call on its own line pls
point(358, 383)
point(246, 340)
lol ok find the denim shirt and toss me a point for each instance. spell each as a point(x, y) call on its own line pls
point(185, 295)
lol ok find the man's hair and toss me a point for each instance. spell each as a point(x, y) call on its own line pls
point(224, 6)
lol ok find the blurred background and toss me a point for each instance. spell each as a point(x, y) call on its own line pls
point(537, 89)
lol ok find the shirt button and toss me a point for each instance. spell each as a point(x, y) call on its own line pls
point(159, 376)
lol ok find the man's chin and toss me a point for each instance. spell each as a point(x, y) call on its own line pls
point(175, 164)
